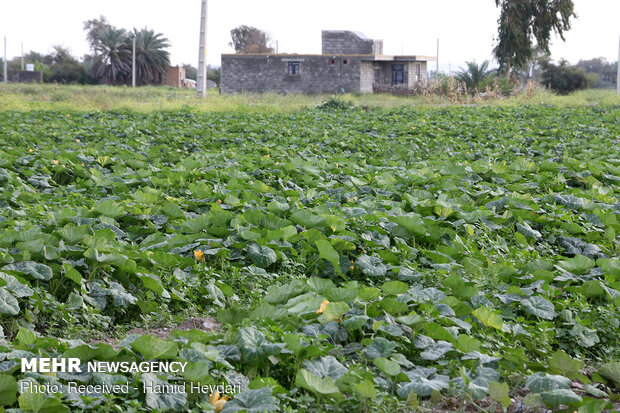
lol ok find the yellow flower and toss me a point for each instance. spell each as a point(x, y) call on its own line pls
point(322, 307)
point(199, 255)
point(217, 402)
point(55, 162)
point(77, 140)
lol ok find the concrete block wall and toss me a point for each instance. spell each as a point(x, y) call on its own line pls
point(336, 42)
point(269, 73)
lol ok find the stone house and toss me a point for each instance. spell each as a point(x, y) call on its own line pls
point(349, 62)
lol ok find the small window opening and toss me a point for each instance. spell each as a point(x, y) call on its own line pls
point(293, 68)
point(332, 61)
point(345, 61)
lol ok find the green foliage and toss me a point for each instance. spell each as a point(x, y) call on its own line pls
point(522, 22)
point(351, 262)
point(476, 77)
point(565, 78)
point(248, 39)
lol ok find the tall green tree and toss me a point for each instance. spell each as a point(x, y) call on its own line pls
point(526, 24)
point(152, 58)
point(93, 29)
point(112, 63)
point(248, 39)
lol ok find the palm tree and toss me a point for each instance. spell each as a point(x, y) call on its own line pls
point(152, 60)
point(474, 75)
point(93, 28)
point(113, 62)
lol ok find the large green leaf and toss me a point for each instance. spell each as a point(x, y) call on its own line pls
point(371, 266)
point(261, 256)
point(8, 390)
point(255, 346)
point(546, 382)
point(153, 348)
point(8, 304)
point(34, 269)
point(40, 403)
point(252, 401)
point(328, 253)
point(327, 366)
point(556, 397)
point(316, 384)
point(158, 398)
point(489, 317)
point(538, 306)
point(579, 264)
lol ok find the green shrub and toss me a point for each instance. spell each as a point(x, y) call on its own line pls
point(565, 78)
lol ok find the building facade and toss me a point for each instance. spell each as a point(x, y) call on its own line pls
point(350, 62)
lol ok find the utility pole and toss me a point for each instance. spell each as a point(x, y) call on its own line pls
point(437, 60)
point(6, 71)
point(201, 84)
point(133, 63)
point(22, 56)
point(617, 74)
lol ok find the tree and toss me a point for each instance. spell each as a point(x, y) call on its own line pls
point(152, 60)
point(522, 22)
point(607, 72)
point(564, 78)
point(475, 76)
point(190, 71)
point(247, 39)
point(113, 61)
point(93, 29)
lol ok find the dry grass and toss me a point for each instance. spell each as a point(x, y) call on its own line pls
point(21, 97)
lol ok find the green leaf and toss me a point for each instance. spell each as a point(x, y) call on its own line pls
point(366, 389)
point(261, 256)
point(489, 317)
point(578, 265)
point(255, 346)
point(34, 269)
point(436, 351)
point(538, 382)
point(556, 397)
point(412, 223)
point(72, 274)
point(153, 348)
point(393, 306)
point(8, 304)
point(499, 393)
point(388, 367)
point(316, 384)
point(594, 406)
point(252, 401)
point(40, 403)
point(438, 332)
point(394, 287)
point(611, 371)
point(379, 347)
point(326, 366)
point(424, 387)
point(371, 266)
point(467, 344)
point(8, 390)
point(328, 253)
point(109, 208)
point(540, 307)
point(157, 399)
point(333, 311)
point(563, 364)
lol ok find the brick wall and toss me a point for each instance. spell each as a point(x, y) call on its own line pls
point(269, 73)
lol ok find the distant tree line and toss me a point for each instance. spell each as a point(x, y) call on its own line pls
point(109, 60)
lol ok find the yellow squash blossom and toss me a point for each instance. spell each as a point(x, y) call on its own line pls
point(322, 307)
point(217, 402)
point(199, 255)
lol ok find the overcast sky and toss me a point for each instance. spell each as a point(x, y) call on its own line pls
point(466, 29)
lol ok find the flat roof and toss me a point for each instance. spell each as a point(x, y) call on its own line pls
point(372, 57)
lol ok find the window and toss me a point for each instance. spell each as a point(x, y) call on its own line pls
point(293, 68)
point(332, 61)
point(417, 73)
point(398, 75)
point(345, 61)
